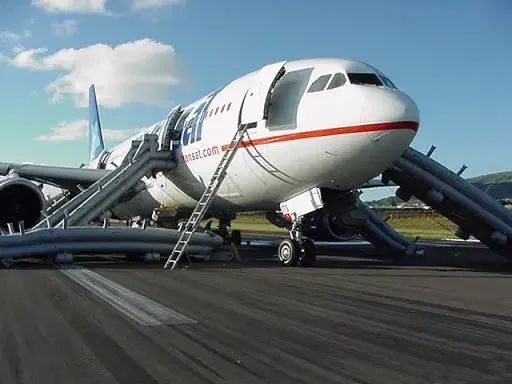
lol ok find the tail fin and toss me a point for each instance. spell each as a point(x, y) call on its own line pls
point(96, 145)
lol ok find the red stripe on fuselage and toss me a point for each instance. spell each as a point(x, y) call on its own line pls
point(412, 125)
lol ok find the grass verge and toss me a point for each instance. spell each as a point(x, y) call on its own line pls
point(425, 227)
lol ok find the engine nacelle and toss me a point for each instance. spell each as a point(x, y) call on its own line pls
point(20, 200)
point(338, 229)
point(329, 227)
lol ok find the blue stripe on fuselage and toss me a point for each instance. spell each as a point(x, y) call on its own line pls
point(193, 130)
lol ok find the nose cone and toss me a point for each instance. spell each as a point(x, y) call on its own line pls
point(395, 119)
point(389, 105)
point(404, 107)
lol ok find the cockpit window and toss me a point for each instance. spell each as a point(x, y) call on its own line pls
point(387, 82)
point(364, 78)
point(319, 84)
point(337, 81)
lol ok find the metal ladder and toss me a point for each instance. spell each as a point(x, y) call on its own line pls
point(206, 199)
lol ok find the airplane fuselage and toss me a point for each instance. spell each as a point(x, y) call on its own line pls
point(331, 123)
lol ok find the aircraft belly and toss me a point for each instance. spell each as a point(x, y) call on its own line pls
point(168, 194)
point(141, 204)
point(262, 176)
point(318, 161)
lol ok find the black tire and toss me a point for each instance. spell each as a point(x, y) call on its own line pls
point(236, 237)
point(288, 252)
point(308, 257)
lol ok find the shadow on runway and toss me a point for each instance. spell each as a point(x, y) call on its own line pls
point(435, 259)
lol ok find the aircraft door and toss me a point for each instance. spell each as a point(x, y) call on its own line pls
point(256, 101)
point(166, 135)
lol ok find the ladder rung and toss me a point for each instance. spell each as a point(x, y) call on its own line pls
point(203, 203)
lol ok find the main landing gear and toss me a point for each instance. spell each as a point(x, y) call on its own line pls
point(234, 236)
point(297, 250)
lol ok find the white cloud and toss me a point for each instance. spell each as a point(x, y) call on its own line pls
point(153, 4)
point(142, 71)
point(11, 37)
point(74, 130)
point(119, 134)
point(25, 58)
point(66, 27)
point(66, 131)
point(18, 48)
point(71, 6)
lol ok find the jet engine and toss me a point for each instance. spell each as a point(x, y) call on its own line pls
point(321, 226)
point(329, 227)
point(20, 200)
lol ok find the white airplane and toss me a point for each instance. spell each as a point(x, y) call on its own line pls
point(318, 128)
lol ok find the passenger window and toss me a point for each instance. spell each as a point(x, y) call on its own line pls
point(223, 107)
point(211, 111)
point(216, 110)
point(319, 84)
point(229, 107)
point(337, 81)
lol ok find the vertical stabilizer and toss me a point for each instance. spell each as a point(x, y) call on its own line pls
point(96, 144)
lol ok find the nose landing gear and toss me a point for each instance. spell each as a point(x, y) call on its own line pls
point(308, 256)
point(289, 252)
point(297, 250)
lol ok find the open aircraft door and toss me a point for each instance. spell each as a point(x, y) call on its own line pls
point(166, 136)
point(256, 101)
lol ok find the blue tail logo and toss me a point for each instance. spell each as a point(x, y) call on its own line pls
point(96, 145)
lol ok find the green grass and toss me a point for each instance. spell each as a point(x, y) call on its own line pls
point(251, 223)
point(425, 227)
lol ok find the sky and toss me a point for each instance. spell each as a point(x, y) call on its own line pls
point(454, 58)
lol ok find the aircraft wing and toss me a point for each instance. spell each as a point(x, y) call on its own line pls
point(65, 177)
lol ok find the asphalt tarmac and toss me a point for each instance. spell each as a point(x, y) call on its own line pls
point(352, 318)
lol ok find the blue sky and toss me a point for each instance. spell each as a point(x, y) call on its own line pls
point(454, 58)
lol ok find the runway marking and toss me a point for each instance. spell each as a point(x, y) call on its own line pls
point(139, 308)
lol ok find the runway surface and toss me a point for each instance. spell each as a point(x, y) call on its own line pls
point(348, 320)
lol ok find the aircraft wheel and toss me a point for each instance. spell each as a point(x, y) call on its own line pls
point(236, 237)
point(308, 257)
point(289, 252)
